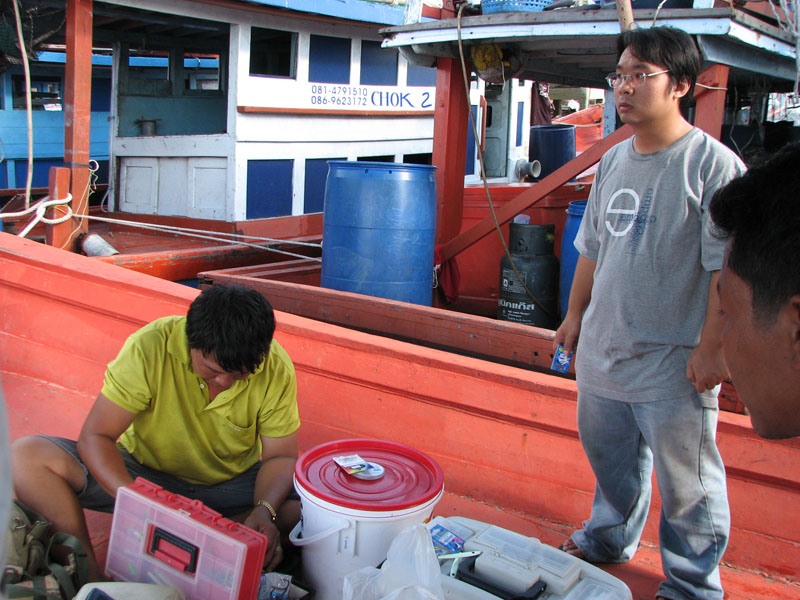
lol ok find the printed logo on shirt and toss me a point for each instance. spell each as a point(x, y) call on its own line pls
point(627, 214)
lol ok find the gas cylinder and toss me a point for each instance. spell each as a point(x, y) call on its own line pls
point(531, 248)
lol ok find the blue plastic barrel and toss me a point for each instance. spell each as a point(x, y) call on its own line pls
point(569, 255)
point(552, 145)
point(378, 230)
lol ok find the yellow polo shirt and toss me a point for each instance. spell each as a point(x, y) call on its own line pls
point(176, 430)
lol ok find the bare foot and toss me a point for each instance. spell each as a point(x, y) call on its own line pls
point(571, 548)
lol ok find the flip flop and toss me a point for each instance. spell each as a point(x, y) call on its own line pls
point(571, 548)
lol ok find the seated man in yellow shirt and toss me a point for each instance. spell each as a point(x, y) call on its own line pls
point(204, 406)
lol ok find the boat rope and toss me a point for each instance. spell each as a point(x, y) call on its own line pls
point(711, 87)
point(484, 179)
point(215, 236)
point(40, 208)
point(28, 101)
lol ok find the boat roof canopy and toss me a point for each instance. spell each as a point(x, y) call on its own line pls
point(578, 47)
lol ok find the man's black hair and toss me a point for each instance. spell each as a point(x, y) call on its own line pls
point(233, 325)
point(666, 47)
point(759, 213)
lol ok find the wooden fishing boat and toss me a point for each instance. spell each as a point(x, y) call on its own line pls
point(478, 397)
point(505, 436)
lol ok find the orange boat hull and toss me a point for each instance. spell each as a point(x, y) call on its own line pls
point(505, 437)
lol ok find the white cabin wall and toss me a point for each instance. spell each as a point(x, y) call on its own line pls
point(239, 38)
point(304, 135)
point(277, 135)
point(520, 93)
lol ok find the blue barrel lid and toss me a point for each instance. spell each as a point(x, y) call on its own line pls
point(367, 164)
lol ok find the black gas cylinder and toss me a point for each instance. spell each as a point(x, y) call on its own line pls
point(531, 247)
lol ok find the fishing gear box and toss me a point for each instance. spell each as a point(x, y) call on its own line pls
point(167, 539)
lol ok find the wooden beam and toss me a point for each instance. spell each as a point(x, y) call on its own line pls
point(625, 15)
point(499, 341)
point(59, 235)
point(710, 103)
point(450, 122)
point(78, 103)
point(535, 193)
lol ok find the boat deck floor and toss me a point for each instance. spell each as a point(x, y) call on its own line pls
point(35, 406)
point(138, 241)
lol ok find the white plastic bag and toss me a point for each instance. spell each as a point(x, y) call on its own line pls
point(410, 572)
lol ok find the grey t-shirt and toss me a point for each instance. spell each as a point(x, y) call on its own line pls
point(647, 226)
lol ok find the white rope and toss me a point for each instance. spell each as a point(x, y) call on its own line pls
point(40, 208)
point(232, 238)
point(27, 71)
point(709, 87)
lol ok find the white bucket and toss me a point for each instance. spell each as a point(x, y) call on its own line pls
point(337, 539)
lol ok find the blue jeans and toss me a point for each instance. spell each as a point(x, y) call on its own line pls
point(623, 441)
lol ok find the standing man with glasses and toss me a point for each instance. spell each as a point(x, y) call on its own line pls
point(643, 312)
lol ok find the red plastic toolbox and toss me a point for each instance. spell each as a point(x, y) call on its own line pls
point(164, 538)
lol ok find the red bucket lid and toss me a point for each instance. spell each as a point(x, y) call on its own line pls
point(410, 477)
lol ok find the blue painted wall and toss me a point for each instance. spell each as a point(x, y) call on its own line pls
point(48, 127)
point(470, 166)
point(358, 10)
point(329, 59)
point(378, 66)
point(269, 188)
point(421, 76)
point(316, 177)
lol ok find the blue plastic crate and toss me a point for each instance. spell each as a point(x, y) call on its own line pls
point(496, 6)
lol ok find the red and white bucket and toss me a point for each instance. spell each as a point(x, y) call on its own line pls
point(349, 522)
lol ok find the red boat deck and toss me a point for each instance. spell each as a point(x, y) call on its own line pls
point(505, 437)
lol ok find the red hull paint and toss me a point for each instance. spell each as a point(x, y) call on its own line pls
point(505, 437)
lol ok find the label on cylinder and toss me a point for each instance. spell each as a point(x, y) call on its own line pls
point(511, 283)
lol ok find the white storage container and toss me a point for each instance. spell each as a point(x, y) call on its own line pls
point(513, 563)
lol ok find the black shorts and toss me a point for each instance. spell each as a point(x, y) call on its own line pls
point(228, 498)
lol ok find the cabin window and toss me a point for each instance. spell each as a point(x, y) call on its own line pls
point(45, 93)
point(173, 72)
point(172, 90)
point(385, 158)
point(329, 60)
point(316, 176)
point(378, 66)
point(273, 53)
point(150, 65)
point(421, 76)
point(269, 188)
point(520, 115)
point(418, 159)
point(201, 71)
point(147, 73)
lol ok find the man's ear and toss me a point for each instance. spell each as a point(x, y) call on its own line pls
point(680, 89)
point(793, 321)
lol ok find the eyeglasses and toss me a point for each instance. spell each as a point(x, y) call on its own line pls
point(637, 79)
